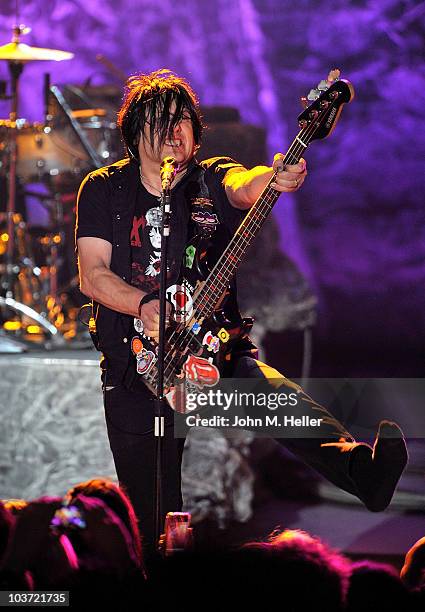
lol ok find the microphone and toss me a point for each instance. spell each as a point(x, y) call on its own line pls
point(168, 171)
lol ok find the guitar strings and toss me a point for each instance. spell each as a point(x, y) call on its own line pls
point(203, 298)
point(255, 218)
point(203, 305)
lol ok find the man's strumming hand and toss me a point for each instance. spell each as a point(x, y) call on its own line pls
point(149, 315)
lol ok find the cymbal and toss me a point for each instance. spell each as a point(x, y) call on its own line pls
point(20, 52)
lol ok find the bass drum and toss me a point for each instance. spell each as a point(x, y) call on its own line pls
point(45, 153)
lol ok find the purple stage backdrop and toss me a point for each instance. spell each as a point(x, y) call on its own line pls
point(357, 227)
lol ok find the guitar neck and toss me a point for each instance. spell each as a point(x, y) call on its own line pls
point(220, 276)
point(316, 121)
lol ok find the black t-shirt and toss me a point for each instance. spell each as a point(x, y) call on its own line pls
point(97, 214)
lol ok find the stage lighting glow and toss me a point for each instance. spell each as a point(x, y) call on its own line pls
point(12, 325)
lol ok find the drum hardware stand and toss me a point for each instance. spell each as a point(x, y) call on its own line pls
point(16, 54)
point(32, 314)
point(54, 241)
point(3, 90)
point(53, 288)
point(15, 69)
point(55, 260)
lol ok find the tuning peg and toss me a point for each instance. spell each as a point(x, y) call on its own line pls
point(334, 75)
point(323, 85)
point(313, 95)
point(304, 102)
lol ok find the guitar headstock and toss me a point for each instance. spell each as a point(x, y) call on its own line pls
point(319, 117)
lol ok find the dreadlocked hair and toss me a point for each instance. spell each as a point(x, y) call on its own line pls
point(147, 102)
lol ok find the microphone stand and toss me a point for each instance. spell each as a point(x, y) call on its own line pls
point(159, 402)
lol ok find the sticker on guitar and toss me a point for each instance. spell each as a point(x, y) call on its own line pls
point(197, 372)
point(138, 325)
point(182, 302)
point(211, 342)
point(145, 360)
point(200, 372)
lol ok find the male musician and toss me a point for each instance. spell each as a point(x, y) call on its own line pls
point(119, 246)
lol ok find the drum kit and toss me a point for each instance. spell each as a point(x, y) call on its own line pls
point(45, 162)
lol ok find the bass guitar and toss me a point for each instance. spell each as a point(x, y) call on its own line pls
point(200, 339)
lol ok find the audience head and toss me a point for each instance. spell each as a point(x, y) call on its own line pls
point(115, 499)
point(91, 538)
point(15, 505)
point(292, 570)
point(306, 571)
point(376, 587)
point(30, 548)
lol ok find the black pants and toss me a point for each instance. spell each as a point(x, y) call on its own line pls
point(129, 419)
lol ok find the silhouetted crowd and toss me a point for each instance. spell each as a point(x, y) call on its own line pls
point(88, 543)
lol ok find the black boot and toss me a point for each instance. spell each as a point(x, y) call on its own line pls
point(376, 471)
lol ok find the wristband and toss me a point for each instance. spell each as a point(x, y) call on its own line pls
point(147, 298)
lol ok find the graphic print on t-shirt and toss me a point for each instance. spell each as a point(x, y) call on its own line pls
point(145, 240)
point(153, 220)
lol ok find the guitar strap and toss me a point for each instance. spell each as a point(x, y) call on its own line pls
point(202, 211)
